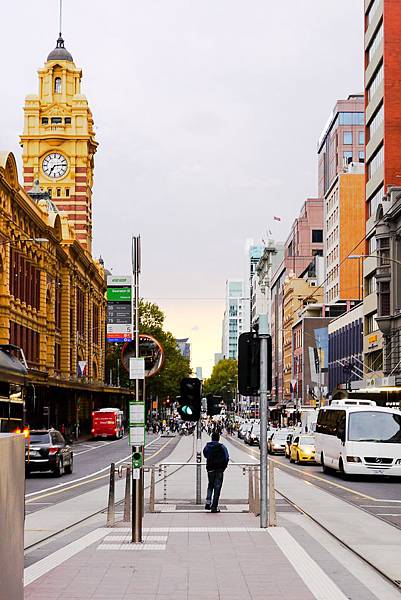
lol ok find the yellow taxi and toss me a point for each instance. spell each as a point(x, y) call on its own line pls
point(302, 449)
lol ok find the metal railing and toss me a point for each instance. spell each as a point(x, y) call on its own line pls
point(111, 506)
point(159, 474)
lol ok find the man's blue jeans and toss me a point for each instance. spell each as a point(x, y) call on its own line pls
point(215, 479)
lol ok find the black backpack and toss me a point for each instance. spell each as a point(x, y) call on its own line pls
point(216, 461)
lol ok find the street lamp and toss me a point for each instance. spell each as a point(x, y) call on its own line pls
point(384, 258)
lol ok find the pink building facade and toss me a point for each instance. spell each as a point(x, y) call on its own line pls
point(302, 245)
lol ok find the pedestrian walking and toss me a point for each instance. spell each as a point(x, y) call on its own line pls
point(217, 458)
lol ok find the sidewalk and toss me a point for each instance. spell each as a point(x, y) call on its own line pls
point(202, 556)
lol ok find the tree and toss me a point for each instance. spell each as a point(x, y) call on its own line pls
point(223, 380)
point(167, 382)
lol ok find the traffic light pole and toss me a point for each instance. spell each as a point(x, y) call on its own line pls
point(198, 463)
point(137, 474)
point(264, 415)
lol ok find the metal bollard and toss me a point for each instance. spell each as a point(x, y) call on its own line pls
point(127, 498)
point(152, 491)
point(251, 502)
point(111, 513)
point(257, 492)
point(272, 497)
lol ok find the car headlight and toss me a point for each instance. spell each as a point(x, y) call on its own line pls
point(355, 459)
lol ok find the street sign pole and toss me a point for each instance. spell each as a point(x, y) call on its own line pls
point(198, 462)
point(137, 469)
point(264, 410)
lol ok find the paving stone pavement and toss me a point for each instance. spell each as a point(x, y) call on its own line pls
point(193, 557)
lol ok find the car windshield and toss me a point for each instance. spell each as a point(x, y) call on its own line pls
point(307, 440)
point(39, 438)
point(374, 426)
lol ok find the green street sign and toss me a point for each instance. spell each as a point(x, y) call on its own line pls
point(119, 294)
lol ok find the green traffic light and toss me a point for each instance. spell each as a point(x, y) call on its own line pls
point(187, 410)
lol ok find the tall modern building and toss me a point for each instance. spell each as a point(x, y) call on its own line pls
point(383, 168)
point(235, 319)
point(184, 346)
point(342, 141)
point(255, 302)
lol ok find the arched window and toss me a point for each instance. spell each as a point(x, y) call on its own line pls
point(57, 85)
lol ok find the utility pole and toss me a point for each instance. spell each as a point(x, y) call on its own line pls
point(264, 416)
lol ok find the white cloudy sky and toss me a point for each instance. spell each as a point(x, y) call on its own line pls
point(207, 113)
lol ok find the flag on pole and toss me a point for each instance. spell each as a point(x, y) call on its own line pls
point(277, 218)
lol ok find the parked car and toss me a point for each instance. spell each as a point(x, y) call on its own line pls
point(46, 450)
point(303, 449)
point(276, 442)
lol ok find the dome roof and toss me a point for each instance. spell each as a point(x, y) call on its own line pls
point(60, 52)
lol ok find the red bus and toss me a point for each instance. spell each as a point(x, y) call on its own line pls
point(107, 422)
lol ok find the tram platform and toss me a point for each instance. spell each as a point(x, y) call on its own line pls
point(196, 555)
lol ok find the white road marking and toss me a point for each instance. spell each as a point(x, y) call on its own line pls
point(321, 586)
point(60, 556)
point(388, 514)
point(72, 481)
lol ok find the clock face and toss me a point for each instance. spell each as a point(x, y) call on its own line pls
point(55, 165)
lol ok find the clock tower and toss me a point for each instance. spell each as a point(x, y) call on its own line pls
point(59, 142)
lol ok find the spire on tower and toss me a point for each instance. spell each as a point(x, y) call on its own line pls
point(60, 52)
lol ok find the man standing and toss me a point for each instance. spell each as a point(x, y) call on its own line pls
point(217, 458)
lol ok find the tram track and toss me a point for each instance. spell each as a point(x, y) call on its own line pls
point(256, 454)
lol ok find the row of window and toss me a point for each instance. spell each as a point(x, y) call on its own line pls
point(376, 82)
point(375, 200)
point(59, 192)
point(332, 219)
point(329, 422)
point(28, 340)
point(333, 237)
point(317, 236)
point(348, 156)
point(348, 138)
point(375, 43)
point(332, 275)
point(371, 323)
point(332, 201)
point(351, 118)
point(332, 293)
point(56, 120)
point(376, 162)
point(24, 280)
point(376, 122)
point(374, 7)
point(332, 256)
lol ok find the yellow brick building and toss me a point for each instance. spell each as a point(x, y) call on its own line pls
point(297, 293)
point(52, 292)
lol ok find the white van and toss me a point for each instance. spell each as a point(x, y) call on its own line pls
point(360, 438)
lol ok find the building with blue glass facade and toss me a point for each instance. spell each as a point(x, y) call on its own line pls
point(345, 362)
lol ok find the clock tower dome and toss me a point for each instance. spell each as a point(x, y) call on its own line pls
point(58, 141)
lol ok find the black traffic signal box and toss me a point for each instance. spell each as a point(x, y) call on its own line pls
point(213, 405)
point(190, 401)
point(249, 363)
